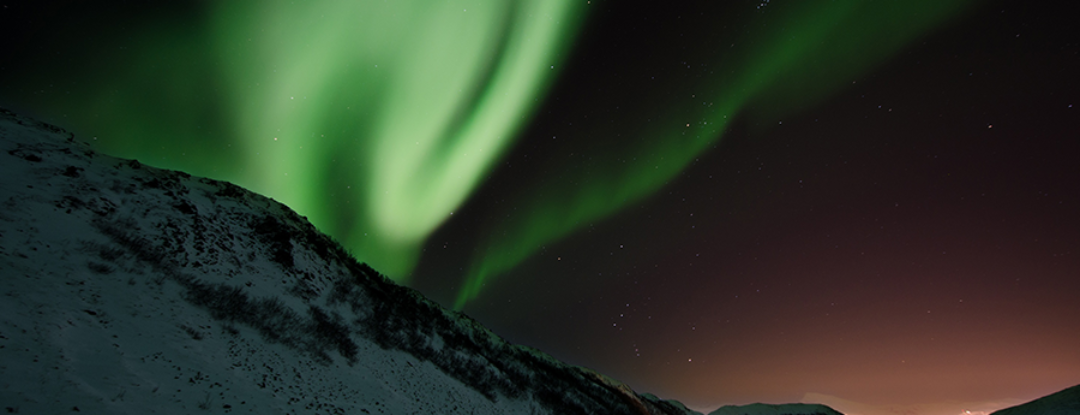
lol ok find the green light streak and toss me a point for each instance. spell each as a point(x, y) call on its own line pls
point(801, 54)
point(412, 102)
point(375, 119)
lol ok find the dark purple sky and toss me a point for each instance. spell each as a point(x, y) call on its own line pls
point(913, 239)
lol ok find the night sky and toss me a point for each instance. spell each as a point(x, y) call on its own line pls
point(720, 204)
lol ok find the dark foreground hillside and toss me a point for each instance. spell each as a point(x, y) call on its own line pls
point(131, 289)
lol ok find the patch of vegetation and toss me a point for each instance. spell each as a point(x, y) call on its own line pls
point(331, 329)
point(99, 268)
point(186, 208)
point(399, 318)
point(24, 154)
point(275, 321)
point(392, 316)
point(229, 190)
point(315, 334)
point(195, 334)
point(276, 235)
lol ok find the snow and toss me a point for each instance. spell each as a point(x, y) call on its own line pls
point(134, 290)
point(130, 289)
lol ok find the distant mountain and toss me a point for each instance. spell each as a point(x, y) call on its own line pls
point(1066, 402)
point(131, 289)
point(767, 409)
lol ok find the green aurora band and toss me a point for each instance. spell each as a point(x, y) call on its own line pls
point(378, 119)
point(374, 119)
point(425, 96)
point(800, 54)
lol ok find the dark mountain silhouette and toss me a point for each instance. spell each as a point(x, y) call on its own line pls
point(784, 409)
point(1066, 402)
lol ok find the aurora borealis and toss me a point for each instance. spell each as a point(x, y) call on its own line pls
point(419, 99)
point(716, 203)
point(792, 58)
point(373, 119)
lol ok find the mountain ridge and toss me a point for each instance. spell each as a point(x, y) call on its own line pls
point(132, 289)
point(1063, 402)
point(769, 409)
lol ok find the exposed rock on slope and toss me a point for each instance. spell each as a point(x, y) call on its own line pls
point(130, 289)
point(1066, 402)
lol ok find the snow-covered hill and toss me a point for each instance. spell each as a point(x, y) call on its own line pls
point(130, 289)
point(1066, 402)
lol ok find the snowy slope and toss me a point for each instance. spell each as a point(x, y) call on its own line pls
point(130, 289)
point(767, 409)
point(1066, 402)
